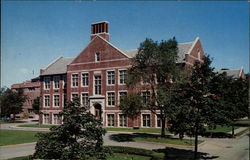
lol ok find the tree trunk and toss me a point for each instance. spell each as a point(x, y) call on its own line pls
point(163, 127)
point(196, 142)
point(232, 130)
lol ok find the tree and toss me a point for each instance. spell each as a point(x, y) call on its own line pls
point(11, 102)
point(155, 65)
point(233, 95)
point(199, 102)
point(36, 105)
point(79, 137)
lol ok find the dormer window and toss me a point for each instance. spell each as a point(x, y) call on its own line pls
point(97, 57)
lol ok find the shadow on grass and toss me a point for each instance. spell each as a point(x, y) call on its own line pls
point(217, 135)
point(129, 137)
point(182, 154)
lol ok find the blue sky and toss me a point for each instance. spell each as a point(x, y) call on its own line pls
point(35, 33)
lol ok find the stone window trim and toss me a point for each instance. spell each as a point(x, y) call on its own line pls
point(156, 120)
point(46, 118)
point(81, 100)
point(46, 83)
point(74, 80)
point(144, 91)
point(113, 78)
point(53, 101)
point(97, 88)
point(119, 95)
point(119, 75)
point(107, 120)
point(59, 119)
point(55, 80)
point(84, 79)
point(97, 57)
point(118, 120)
point(142, 116)
point(44, 101)
point(112, 99)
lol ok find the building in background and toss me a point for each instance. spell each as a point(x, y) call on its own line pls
point(234, 73)
point(31, 89)
point(97, 77)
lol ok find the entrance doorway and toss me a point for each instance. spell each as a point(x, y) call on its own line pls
point(98, 111)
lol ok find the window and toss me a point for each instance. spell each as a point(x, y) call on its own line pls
point(198, 54)
point(31, 88)
point(111, 77)
point(56, 80)
point(146, 120)
point(146, 96)
point(122, 95)
point(46, 101)
point(74, 80)
point(122, 120)
point(56, 119)
point(46, 83)
point(85, 98)
point(85, 79)
point(158, 121)
point(111, 98)
point(46, 118)
point(64, 81)
point(73, 96)
point(98, 85)
point(64, 99)
point(97, 57)
point(111, 120)
point(56, 101)
point(122, 75)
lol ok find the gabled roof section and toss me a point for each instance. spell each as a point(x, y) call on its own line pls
point(58, 66)
point(183, 48)
point(234, 73)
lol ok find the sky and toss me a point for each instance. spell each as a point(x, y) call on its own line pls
point(35, 33)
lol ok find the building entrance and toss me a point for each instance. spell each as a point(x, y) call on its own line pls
point(98, 111)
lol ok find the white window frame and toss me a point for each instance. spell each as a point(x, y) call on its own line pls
point(107, 98)
point(53, 101)
point(64, 81)
point(72, 80)
point(146, 91)
point(119, 76)
point(53, 118)
point(44, 106)
point(44, 118)
point(119, 95)
point(156, 116)
point(82, 96)
point(94, 84)
point(107, 80)
point(54, 77)
point(119, 120)
point(107, 119)
point(99, 56)
point(146, 122)
point(44, 87)
point(82, 79)
point(71, 96)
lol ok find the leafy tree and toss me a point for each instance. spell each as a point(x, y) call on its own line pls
point(36, 105)
point(199, 104)
point(79, 137)
point(155, 65)
point(11, 102)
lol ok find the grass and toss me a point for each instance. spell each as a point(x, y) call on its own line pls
point(242, 132)
point(140, 130)
point(243, 122)
point(9, 137)
point(36, 125)
point(220, 128)
point(10, 121)
point(165, 140)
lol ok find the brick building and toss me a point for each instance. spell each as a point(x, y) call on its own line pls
point(97, 77)
point(31, 89)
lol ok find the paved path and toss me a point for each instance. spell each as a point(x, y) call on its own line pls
point(225, 148)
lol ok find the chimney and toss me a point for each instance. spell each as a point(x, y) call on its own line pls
point(101, 29)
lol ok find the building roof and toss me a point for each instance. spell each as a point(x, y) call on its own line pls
point(236, 73)
point(59, 66)
point(183, 48)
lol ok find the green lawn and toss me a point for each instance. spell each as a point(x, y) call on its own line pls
point(140, 130)
point(174, 141)
point(220, 128)
point(36, 125)
point(8, 137)
point(243, 122)
point(6, 122)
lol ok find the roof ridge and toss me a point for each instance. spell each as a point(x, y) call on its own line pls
point(53, 62)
